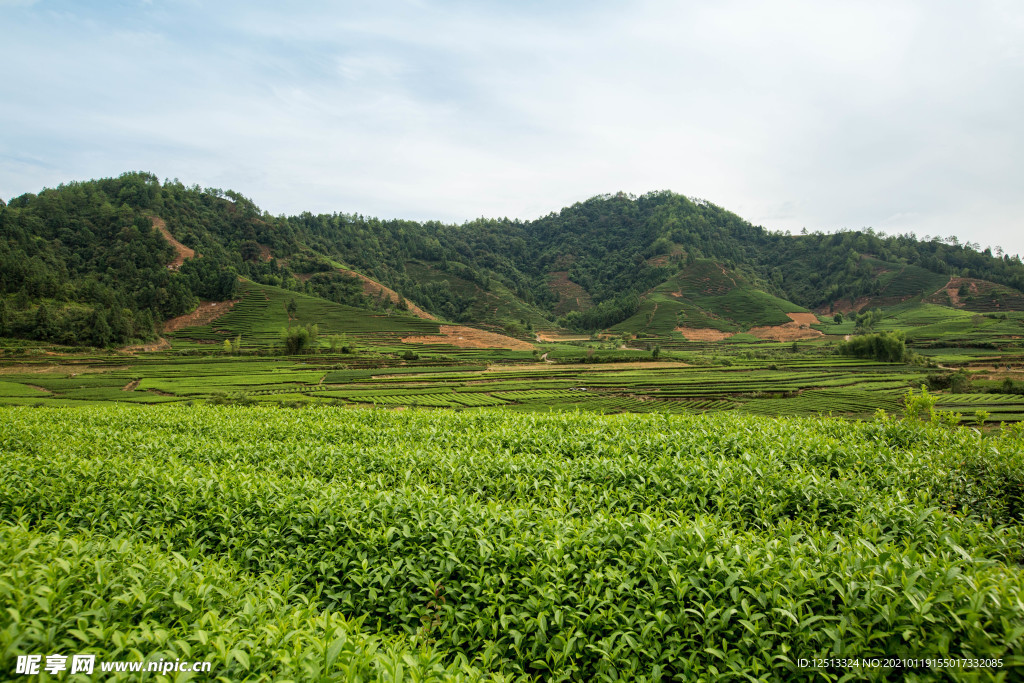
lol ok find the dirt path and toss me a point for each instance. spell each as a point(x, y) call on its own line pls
point(373, 288)
point(132, 386)
point(722, 268)
point(470, 338)
point(183, 252)
point(206, 313)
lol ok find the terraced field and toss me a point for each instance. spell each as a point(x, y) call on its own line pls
point(262, 313)
point(804, 386)
point(744, 374)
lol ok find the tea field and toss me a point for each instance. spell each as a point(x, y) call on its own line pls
point(348, 543)
point(800, 385)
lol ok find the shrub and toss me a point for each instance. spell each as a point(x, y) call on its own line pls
point(299, 339)
point(890, 347)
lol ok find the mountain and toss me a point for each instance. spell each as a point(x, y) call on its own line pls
point(107, 261)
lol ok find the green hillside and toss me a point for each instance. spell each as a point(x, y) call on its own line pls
point(262, 312)
point(87, 263)
point(703, 294)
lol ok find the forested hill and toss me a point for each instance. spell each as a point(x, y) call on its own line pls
point(83, 263)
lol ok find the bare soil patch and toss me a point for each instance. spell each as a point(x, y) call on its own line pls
point(132, 386)
point(556, 337)
point(951, 290)
point(663, 259)
point(797, 328)
point(470, 338)
point(159, 345)
point(703, 333)
point(205, 313)
point(804, 318)
point(183, 252)
point(949, 293)
point(844, 306)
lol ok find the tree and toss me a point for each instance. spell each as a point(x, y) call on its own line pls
point(144, 326)
point(99, 328)
point(890, 347)
point(43, 324)
point(249, 250)
point(120, 326)
point(838, 318)
point(300, 338)
point(866, 321)
point(292, 307)
point(3, 316)
point(960, 382)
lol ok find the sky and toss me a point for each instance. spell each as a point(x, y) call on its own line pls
point(902, 115)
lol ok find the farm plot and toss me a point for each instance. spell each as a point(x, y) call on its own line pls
point(491, 545)
point(796, 387)
point(999, 407)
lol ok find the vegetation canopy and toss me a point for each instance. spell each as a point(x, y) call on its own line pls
point(107, 261)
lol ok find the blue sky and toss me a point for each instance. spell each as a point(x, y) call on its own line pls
point(898, 115)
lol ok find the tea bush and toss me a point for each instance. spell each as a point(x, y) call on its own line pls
point(555, 546)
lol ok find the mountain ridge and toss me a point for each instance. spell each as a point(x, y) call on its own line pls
point(94, 256)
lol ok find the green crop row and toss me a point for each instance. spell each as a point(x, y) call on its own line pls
point(579, 547)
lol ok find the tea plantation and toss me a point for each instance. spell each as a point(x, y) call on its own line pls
point(341, 543)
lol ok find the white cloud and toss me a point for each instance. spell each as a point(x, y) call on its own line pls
point(900, 115)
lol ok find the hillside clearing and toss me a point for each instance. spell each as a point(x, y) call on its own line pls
point(470, 338)
point(797, 328)
point(205, 313)
point(703, 333)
